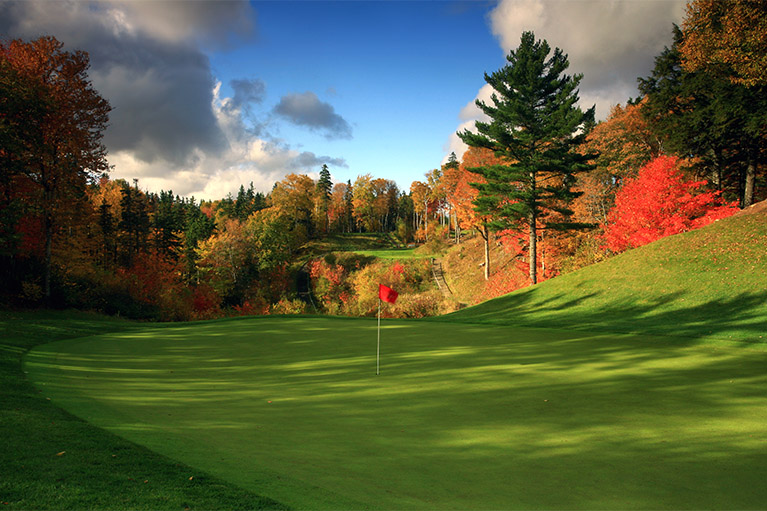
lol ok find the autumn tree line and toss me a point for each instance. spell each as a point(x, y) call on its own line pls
point(541, 181)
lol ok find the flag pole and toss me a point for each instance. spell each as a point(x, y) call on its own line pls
point(378, 347)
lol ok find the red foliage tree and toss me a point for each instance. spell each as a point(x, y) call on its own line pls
point(660, 202)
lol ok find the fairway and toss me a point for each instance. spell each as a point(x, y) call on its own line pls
point(463, 416)
point(401, 254)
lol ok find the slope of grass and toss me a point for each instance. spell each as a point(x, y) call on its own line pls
point(463, 416)
point(349, 242)
point(708, 283)
point(53, 460)
point(400, 254)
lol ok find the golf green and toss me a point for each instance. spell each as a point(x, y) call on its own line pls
point(462, 416)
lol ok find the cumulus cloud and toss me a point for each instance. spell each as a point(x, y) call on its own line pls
point(610, 42)
point(246, 92)
point(212, 175)
point(307, 110)
point(169, 126)
point(157, 80)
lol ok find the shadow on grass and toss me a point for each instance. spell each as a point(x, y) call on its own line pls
point(53, 460)
point(741, 318)
point(462, 416)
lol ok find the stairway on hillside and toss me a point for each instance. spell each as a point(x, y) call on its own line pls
point(439, 276)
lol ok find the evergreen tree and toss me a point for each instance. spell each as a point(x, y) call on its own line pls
point(324, 187)
point(325, 184)
point(241, 204)
point(534, 130)
point(259, 202)
point(134, 222)
point(452, 161)
point(349, 201)
point(168, 223)
point(107, 226)
point(706, 114)
point(198, 227)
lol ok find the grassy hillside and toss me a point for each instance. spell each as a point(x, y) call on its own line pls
point(349, 242)
point(708, 283)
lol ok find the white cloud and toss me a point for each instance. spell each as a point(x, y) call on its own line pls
point(169, 126)
point(472, 111)
point(611, 42)
point(214, 174)
point(455, 144)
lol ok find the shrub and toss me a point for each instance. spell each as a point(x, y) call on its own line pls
point(288, 306)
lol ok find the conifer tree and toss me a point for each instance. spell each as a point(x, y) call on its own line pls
point(535, 127)
point(706, 115)
point(106, 223)
point(324, 187)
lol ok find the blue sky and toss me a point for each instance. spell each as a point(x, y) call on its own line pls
point(398, 72)
point(209, 95)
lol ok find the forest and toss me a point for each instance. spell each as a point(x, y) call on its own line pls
point(689, 150)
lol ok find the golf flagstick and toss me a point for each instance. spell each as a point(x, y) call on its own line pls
point(386, 294)
point(378, 347)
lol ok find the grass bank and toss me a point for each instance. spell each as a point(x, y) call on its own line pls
point(709, 283)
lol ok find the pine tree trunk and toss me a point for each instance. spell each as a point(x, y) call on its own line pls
point(487, 254)
point(533, 248)
point(485, 233)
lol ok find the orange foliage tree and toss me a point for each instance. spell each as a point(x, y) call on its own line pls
point(68, 151)
point(727, 33)
point(465, 193)
point(624, 142)
point(293, 197)
point(339, 208)
point(420, 193)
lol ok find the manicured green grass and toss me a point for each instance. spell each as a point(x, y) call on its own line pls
point(474, 410)
point(463, 416)
point(710, 283)
point(350, 242)
point(51, 459)
point(397, 254)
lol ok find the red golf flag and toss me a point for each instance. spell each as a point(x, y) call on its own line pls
point(387, 294)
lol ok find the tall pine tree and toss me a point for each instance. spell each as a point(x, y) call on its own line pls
point(535, 127)
point(324, 187)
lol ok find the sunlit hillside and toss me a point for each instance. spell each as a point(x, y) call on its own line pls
point(705, 283)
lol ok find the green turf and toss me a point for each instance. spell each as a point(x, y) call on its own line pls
point(349, 242)
point(398, 254)
point(463, 416)
point(709, 283)
point(53, 460)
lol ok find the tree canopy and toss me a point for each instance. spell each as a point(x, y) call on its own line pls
point(535, 129)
